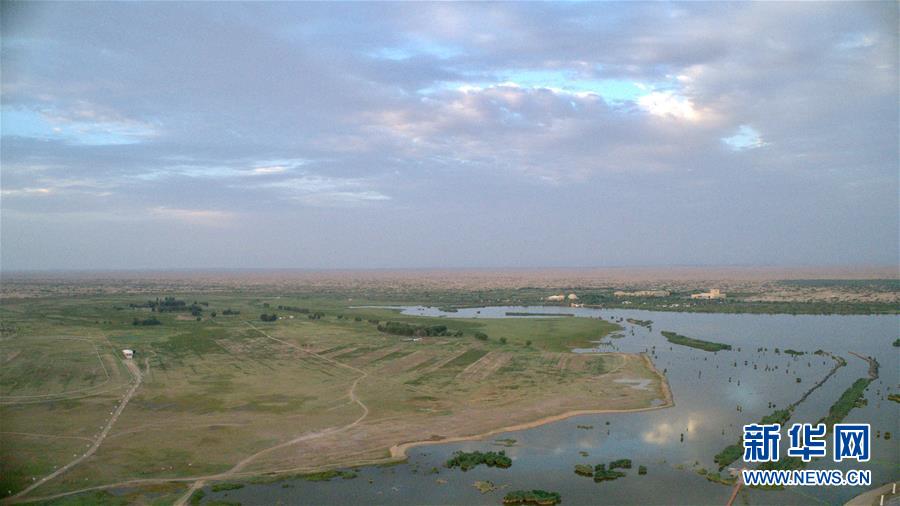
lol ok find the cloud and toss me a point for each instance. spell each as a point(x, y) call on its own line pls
point(668, 104)
point(746, 138)
point(82, 125)
point(336, 113)
point(278, 166)
point(208, 217)
point(275, 169)
point(325, 191)
point(342, 198)
point(14, 192)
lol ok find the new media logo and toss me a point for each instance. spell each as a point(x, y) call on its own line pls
point(850, 441)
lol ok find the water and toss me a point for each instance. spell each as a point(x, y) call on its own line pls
point(708, 390)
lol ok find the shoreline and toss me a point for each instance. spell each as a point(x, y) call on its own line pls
point(398, 451)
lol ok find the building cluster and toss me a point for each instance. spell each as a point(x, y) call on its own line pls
point(561, 297)
point(642, 293)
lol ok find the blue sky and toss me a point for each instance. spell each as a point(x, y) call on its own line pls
point(368, 135)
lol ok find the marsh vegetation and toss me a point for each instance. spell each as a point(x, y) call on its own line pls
point(536, 497)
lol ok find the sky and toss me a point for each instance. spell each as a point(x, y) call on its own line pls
point(153, 135)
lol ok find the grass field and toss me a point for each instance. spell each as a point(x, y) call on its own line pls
point(229, 396)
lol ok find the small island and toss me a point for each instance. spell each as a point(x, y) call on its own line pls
point(601, 473)
point(604, 472)
point(468, 460)
point(700, 344)
point(642, 323)
point(584, 470)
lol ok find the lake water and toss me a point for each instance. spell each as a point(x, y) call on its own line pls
point(708, 389)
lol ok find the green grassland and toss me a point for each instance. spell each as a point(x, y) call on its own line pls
point(292, 395)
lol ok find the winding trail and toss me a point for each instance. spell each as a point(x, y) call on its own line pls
point(136, 371)
point(351, 393)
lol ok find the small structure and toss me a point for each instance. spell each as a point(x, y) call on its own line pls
point(129, 354)
point(572, 296)
point(712, 294)
point(556, 298)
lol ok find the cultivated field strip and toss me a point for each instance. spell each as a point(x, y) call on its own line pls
point(405, 363)
point(484, 367)
point(439, 364)
point(377, 355)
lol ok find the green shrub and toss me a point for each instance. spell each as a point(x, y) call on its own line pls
point(468, 460)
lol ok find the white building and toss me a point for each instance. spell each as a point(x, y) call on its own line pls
point(128, 353)
point(556, 298)
point(712, 294)
point(572, 296)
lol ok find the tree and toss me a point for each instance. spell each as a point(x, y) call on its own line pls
point(502, 340)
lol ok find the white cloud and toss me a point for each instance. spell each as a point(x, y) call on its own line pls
point(275, 169)
point(328, 191)
point(89, 124)
point(224, 170)
point(667, 104)
point(17, 192)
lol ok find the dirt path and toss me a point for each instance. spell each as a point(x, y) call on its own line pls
point(136, 372)
point(351, 393)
